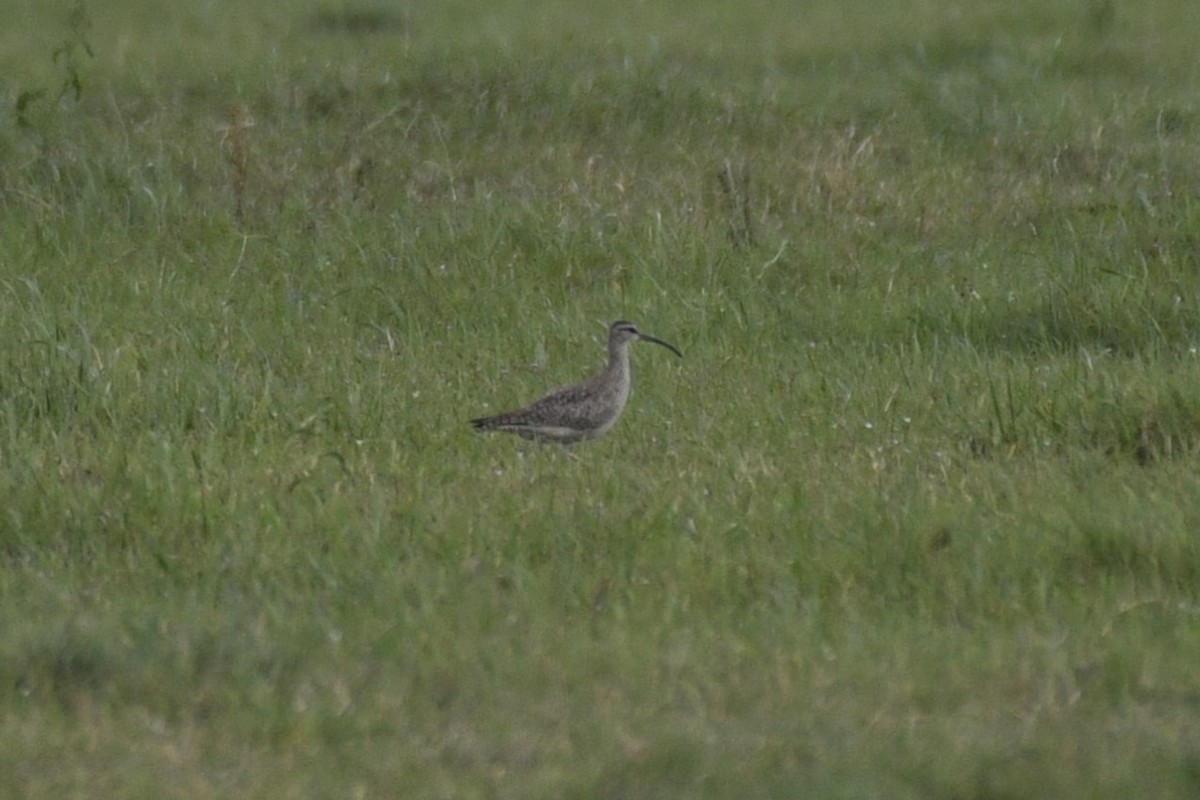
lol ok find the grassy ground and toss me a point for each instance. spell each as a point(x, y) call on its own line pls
point(915, 517)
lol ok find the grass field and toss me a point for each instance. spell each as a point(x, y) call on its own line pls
point(917, 515)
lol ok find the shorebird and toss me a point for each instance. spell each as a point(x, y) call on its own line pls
point(582, 411)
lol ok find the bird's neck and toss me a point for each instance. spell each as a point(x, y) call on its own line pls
point(618, 359)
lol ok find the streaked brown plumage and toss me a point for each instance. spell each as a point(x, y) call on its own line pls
point(582, 411)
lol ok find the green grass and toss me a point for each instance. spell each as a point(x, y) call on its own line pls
point(916, 516)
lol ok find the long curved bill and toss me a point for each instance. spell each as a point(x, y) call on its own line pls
point(648, 338)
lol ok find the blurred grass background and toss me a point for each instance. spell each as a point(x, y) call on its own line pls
point(915, 516)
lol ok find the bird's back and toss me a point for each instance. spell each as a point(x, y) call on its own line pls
point(580, 411)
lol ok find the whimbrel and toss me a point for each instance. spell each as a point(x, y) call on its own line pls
point(585, 410)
